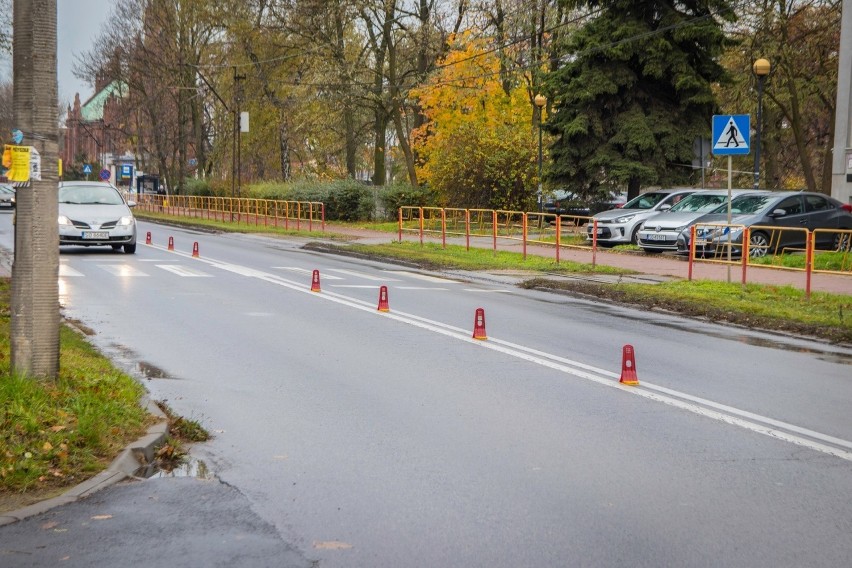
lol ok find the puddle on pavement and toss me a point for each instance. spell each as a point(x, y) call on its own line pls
point(150, 371)
point(190, 467)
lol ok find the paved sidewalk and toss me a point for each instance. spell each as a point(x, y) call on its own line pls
point(663, 265)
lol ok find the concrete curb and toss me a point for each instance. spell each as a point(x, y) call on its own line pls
point(134, 456)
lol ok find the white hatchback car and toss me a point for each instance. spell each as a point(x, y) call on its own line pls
point(95, 214)
point(621, 226)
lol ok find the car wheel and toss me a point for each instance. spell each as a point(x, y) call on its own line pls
point(842, 242)
point(130, 249)
point(758, 244)
point(634, 237)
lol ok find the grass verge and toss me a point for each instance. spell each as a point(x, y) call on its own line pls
point(432, 256)
point(58, 433)
point(780, 308)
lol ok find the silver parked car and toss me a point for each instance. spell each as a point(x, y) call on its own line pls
point(660, 232)
point(95, 214)
point(621, 226)
point(7, 196)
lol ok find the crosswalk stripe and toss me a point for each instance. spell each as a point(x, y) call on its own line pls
point(184, 271)
point(306, 271)
point(122, 270)
point(425, 277)
point(362, 275)
point(65, 270)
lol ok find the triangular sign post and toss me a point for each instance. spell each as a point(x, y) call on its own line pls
point(731, 135)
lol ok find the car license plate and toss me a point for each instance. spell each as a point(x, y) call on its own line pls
point(95, 235)
point(656, 237)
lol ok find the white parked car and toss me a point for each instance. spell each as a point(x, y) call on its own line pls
point(95, 214)
point(660, 232)
point(621, 226)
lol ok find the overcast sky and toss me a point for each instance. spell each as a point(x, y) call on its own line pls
point(78, 24)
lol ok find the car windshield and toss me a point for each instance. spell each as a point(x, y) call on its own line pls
point(89, 195)
point(699, 203)
point(645, 201)
point(747, 204)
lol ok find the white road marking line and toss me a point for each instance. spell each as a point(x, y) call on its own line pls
point(355, 286)
point(181, 270)
point(418, 288)
point(306, 271)
point(425, 277)
point(362, 275)
point(65, 270)
point(485, 291)
point(123, 270)
point(729, 415)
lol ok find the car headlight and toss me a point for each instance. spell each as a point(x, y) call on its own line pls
point(125, 221)
point(63, 220)
point(625, 218)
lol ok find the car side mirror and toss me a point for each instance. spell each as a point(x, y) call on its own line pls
point(778, 213)
point(665, 207)
point(131, 203)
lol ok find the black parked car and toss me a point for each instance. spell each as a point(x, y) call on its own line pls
point(787, 209)
point(569, 203)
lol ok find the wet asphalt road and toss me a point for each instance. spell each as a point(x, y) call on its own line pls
point(349, 438)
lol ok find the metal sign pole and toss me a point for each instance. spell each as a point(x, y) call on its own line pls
point(730, 183)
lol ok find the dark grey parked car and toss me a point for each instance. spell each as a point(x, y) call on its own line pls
point(788, 209)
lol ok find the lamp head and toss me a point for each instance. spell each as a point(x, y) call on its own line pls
point(761, 67)
point(540, 100)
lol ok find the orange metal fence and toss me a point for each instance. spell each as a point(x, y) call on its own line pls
point(241, 210)
point(780, 248)
point(498, 225)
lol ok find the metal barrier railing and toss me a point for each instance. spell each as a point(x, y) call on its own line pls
point(781, 248)
point(497, 224)
point(242, 210)
point(836, 243)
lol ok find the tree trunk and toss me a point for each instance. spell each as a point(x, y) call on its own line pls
point(633, 186)
point(35, 271)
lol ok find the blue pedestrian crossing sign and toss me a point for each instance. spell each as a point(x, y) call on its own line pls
point(87, 169)
point(731, 134)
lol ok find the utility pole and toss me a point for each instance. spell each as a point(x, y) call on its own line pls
point(238, 95)
point(35, 272)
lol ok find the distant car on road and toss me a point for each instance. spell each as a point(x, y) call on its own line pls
point(7, 196)
point(95, 214)
point(621, 226)
point(660, 232)
point(787, 209)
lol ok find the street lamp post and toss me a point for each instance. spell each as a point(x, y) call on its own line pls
point(761, 69)
point(540, 100)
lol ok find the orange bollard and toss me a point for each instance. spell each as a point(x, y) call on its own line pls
point(148, 238)
point(383, 299)
point(315, 282)
point(479, 324)
point(195, 249)
point(628, 367)
point(171, 243)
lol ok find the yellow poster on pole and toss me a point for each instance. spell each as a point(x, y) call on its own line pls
point(19, 169)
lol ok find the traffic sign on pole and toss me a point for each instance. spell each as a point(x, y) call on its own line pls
point(731, 134)
point(105, 175)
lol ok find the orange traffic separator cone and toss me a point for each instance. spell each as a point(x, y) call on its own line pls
point(171, 243)
point(383, 299)
point(195, 249)
point(479, 324)
point(148, 238)
point(315, 283)
point(628, 367)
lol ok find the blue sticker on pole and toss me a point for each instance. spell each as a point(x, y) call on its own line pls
point(731, 135)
